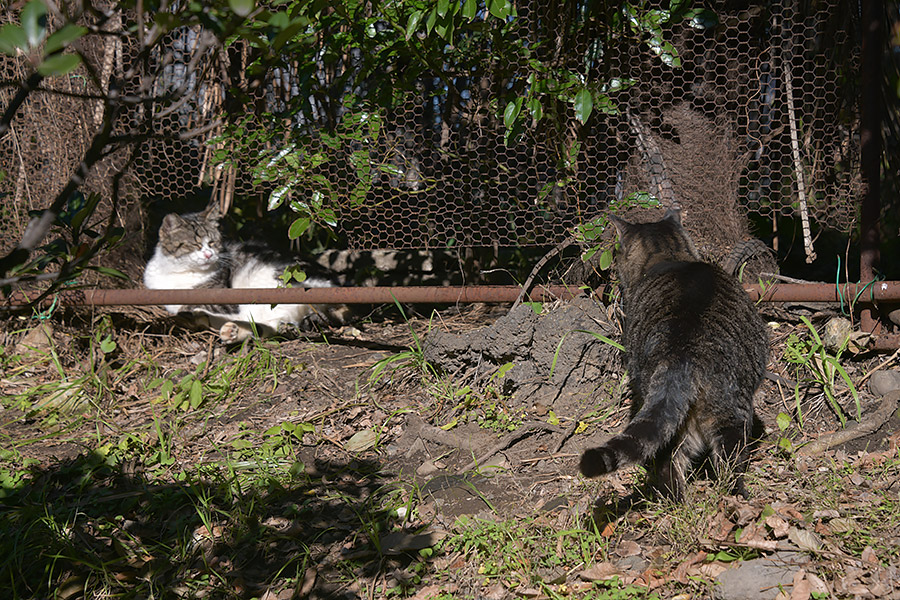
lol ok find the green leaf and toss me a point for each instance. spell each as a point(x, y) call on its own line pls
point(783, 420)
point(59, 64)
point(552, 418)
point(298, 227)
point(605, 260)
point(110, 271)
point(536, 307)
point(536, 109)
point(442, 7)
point(287, 34)
point(786, 445)
point(702, 18)
point(512, 112)
point(502, 370)
point(413, 23)
point(107, 345)
point(12, 39)
point(677, 7)
point(241, 8)
point(196, 393)
point(34, 22)
point(280, 20)
point(62, 38)
point(500, 9)
point(470, 9)
point(584, 104)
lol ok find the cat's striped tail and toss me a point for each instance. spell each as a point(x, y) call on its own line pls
point(666, 405)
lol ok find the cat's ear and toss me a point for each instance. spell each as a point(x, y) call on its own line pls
point(171, 221)
point(212, 212)
point(673, 214)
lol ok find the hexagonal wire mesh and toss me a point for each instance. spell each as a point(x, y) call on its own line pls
point(752, 124)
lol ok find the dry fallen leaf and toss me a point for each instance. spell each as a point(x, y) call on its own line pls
point(800, 591)
point(627, 548)
point(433, 591)
point(720, 527)
point(600, 572)
point(816, 585)
point(361, 440)
point(710, 570)
point(753, 534)
point(788, 510)
point(608, 530)
point(842, 525)
point(804, 539)
point(869, 556)
point(741, 511)
point(778, 526)
point(682, 571)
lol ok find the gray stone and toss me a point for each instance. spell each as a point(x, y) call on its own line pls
point(894, 316)
point(760, 578)
point(633, 563)
point(883, 382)
point(837, 332)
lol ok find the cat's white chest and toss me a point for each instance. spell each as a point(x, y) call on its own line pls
point(166, 273)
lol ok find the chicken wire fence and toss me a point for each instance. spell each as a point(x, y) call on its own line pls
point(756, 124)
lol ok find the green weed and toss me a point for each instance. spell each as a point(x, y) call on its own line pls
point(814, 365)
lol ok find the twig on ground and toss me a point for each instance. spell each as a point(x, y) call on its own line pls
point(887, 361)
point(540, 265)
point(430, 433)
point(550, 456)
point(510, 439)
point(872, 423)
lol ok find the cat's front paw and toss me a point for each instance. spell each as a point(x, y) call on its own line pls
point(231, 333)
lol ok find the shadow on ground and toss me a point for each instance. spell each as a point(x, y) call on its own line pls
point(213, 537)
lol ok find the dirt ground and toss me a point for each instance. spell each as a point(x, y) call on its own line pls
point(393, 458)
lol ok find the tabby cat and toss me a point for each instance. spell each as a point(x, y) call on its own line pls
point(696, 352)
point(192, 254)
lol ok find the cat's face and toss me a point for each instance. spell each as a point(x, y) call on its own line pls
point(194, 239)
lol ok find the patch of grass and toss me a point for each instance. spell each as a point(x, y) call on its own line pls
point(524, 552)
point(815, 366)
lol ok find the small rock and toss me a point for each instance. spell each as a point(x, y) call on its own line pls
point(837, 332)
point(759, 579)
point(426, 468)
point(894, 316)
point(883, 382)
point(633, 563)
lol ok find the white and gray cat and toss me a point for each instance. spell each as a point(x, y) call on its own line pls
point(191, 253)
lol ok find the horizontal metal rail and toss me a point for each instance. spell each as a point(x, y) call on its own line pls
point(850, 294)
point(301, 295)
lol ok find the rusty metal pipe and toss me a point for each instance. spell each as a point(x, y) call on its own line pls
point(300, 295)
point(851, 293)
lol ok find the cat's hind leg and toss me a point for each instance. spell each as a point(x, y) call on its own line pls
point(232, 333)
point(731, 457)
